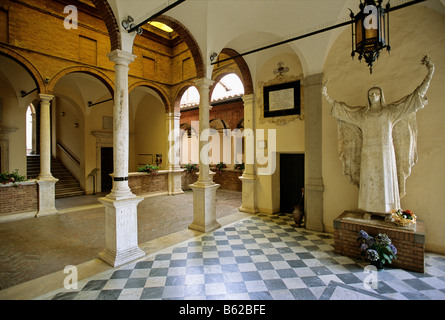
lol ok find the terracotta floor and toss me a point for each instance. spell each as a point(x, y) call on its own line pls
point(36, 247)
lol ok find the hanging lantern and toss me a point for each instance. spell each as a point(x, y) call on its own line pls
point(370, 31)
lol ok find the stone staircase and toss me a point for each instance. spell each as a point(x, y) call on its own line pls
point(67, 186)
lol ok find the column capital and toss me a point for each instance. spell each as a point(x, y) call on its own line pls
point(203, 83)
point(46, 97)
point(121, 57)
point(313, 79)
point(173, 115)
point(249, 98)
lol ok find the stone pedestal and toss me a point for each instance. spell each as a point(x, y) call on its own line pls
point(175, 181)
point(248, 204)
point(409, 241)
point(47, 200)
point(121, 231)
point(204, 207)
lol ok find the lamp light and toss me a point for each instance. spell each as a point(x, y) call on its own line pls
point(370, 31)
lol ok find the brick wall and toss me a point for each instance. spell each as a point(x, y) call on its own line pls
point(410, 244)
point(188, 179)
point(18, 199)
point(231, 113)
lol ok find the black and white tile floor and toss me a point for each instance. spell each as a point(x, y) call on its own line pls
point(263, 257)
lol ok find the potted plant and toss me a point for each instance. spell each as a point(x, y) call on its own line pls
point(239, 166)
point(378, 250)
point(13, 177)
point(190, 167)
point(149, 168)
point(220, 166)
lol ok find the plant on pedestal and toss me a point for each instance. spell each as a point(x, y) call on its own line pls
point(378, 250)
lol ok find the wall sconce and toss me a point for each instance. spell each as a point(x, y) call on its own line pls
point(76, 125)
point(62, 114)
point(370, 31)
point(213, 56)
point(127, 24)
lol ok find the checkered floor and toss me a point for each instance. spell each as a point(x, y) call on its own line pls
point(264, 257)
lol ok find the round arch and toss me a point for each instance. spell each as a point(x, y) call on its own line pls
point(102, 77)
point(242, 71)
point(178, 96)
point(28, 66)
point(105, 11)
point(160, 92)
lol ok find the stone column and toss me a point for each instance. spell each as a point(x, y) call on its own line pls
point(174, 170)
point(45, 180)
point(314, 187)
point(34, 132)
point(248, 179)
point(204, 190)
point(121, 204)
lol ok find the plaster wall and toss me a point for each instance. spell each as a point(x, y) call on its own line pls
point(415, 31)
point(13, 116)
point(289, 135)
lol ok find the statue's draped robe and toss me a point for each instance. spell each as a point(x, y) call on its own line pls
point(378, 149)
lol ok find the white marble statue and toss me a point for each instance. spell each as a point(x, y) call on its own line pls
point(378, 144)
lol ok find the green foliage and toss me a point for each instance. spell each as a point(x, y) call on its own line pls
point(149, 168)
point(239, 166)
point(191, 166)
point(220, 166)
point(377, 248)
point(13, 177)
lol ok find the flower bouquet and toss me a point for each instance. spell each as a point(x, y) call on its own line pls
point(378, 250)
point(404, 217)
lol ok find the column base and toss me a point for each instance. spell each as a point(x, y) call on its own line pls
point(248, 204)
point(47, 197)
point(116, 259)
point(121, 232)
point(204, 207)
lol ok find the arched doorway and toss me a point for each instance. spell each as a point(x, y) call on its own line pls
point(18, 88)
point(83, 129)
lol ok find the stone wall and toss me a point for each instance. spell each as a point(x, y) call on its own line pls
point(19, 198)
point(188, 178)
point(228, 179)
point(142, 183)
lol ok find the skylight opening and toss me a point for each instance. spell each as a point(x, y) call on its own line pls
point(161, 26)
